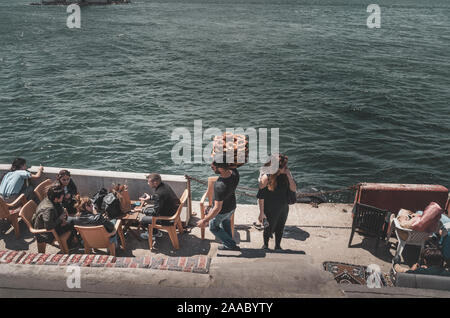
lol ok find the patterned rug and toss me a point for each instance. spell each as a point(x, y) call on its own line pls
point(346, 274)
point(196, 264)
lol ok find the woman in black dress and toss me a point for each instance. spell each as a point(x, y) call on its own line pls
point(273, 199)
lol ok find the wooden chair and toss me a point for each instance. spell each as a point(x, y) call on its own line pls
point(42, 188)
point(174, 223)
point(205, 208)
point(10, 211)
point(98, 237)
point(26, 213)
point(369, 221)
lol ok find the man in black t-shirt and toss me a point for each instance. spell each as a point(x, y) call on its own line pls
point(224, 206)
point(165, 202)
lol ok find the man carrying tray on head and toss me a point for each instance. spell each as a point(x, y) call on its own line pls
point(224, 205)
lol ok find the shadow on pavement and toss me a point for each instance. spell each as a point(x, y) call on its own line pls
point(256, 253)
point(11, 242)
point(296, 233)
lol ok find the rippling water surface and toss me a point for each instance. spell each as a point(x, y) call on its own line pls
point(353, 104)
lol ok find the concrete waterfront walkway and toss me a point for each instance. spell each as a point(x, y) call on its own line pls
point(312, 236)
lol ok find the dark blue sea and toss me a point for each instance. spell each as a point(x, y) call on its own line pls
point(352, 104)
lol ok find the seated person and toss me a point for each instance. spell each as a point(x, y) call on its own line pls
point(165, 202)
point(50, 215)
point(426, 221)
point(406, 218)
point(429, 219)
point(70, 191)
point(85, 217)
point(15, 182)
point(433, 264)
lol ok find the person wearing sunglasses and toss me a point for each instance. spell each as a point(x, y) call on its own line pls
point(70, 191)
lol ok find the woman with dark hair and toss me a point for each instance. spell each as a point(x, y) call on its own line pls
point(85, 217)
point(15, 182)
point(70, 191)
point(273, 198)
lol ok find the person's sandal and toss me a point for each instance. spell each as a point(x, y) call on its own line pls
point(258, 226)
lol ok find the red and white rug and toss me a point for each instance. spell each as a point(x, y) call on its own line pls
point(195, 264)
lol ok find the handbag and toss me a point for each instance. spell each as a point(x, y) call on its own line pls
point(292, 197)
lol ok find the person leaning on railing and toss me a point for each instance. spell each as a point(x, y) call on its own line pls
point(15, 182)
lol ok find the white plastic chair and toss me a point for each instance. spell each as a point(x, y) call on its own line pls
point(409, 237)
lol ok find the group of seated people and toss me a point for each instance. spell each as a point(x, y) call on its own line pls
point(63, 207)
point(432, 220)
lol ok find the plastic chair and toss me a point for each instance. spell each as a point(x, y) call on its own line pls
point(98, 237)
point(26, 213)
point(42, 188)
point(10, 211)
point(409, 237)
point(173, 222)
point(371, 221)
point(205, 208)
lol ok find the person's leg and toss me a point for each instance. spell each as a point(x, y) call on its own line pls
point(268, 231)
point(282, 217)
point(266, 236)
point(226, 224)
point(113, 239)
point(68, 228)
point(146, 221)
point(28, 191)
point(400, 269)
point(10, 199)
point(216, 228)
point(272, 219)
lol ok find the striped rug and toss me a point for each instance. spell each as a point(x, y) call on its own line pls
point(195, 264)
